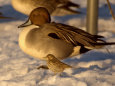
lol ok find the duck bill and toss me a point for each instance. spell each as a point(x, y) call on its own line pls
point(27, 23)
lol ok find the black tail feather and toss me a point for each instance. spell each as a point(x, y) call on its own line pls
point(106, 43)
point(98, 36)
point(71, 4)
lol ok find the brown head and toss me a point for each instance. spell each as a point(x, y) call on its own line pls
point(38, 16)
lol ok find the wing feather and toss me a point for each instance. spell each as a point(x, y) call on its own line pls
point(76, 36)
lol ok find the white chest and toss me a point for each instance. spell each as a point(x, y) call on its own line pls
point(43, 45)
point(22, 41)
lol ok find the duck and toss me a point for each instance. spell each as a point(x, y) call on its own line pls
point(55, 7)
point(40, 37)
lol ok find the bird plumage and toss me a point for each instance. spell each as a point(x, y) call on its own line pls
point(54, 7)
point(56, 65)
point(41, 37)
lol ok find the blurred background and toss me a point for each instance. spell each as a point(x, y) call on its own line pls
point(19, 69)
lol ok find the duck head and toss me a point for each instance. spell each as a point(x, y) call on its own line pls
point(38, 16)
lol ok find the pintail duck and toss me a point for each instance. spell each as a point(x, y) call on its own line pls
point(55, 7)
point(40, 37)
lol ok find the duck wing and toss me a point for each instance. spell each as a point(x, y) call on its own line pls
point(77, 36)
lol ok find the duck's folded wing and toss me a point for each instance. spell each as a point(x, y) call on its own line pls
point(62, 11)
point(76, 36)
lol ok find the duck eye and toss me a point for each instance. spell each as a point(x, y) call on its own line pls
point(53, 35)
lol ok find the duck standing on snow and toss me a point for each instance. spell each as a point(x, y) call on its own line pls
point(54, 7)
point(40, 37)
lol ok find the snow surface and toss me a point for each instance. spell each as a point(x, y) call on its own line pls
point(95, 68)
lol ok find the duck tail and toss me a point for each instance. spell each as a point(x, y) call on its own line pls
point(72, 11)
point(98, 36)
point(99, 45)
point(105, 43)
point(71, 4)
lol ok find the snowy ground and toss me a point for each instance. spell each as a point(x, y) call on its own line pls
point(96, 68)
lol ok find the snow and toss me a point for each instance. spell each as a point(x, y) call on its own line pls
point(94, 68)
